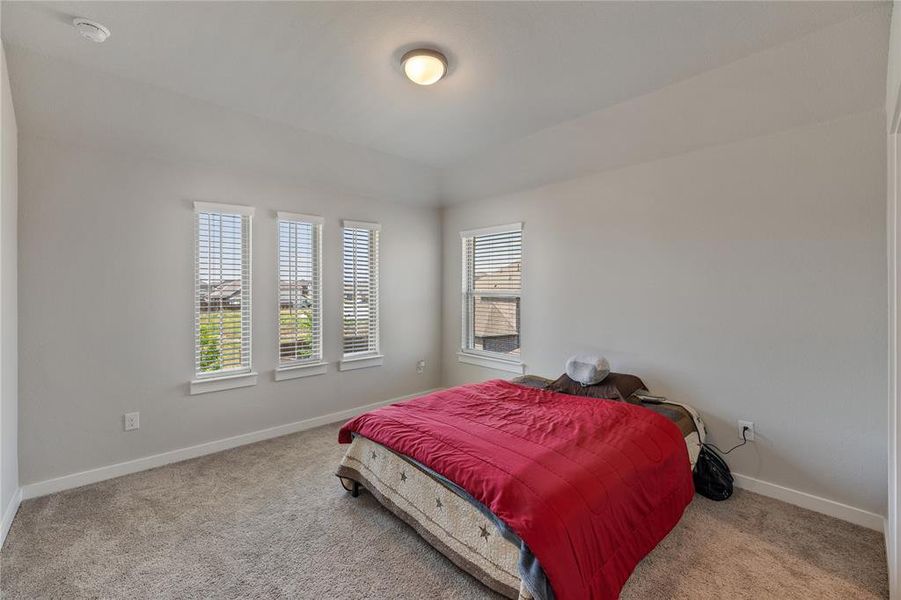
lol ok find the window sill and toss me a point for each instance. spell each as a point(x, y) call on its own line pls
point(361, 362)
point(225, 382)
point(491, 362)
point(304, 370)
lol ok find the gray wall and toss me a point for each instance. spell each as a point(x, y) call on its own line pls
point(746, 279)
point(9, 462)
point(106, 285)
point(732, 266)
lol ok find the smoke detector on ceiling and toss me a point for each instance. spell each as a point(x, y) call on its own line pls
point(91, 30)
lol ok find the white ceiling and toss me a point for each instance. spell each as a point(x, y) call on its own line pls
point(826, 75)
point(332, 68)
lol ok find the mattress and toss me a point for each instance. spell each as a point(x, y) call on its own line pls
point(456, 525)
point(444, 518)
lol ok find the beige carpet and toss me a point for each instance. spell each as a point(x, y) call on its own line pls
point(271, 521)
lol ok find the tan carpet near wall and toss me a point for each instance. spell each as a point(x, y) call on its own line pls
point(271, 521)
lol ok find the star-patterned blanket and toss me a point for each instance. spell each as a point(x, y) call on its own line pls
point(590, 486)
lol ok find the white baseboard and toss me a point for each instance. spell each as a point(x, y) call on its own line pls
point(894, 593)
point(887, 533)
point(809, 501)
point(9, 514)
point(66, 482)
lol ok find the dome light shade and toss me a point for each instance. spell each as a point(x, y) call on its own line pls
point(423, 66)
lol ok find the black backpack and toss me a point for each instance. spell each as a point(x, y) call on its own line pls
point(712, 476)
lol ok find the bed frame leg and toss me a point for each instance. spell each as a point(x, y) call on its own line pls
point(355, 491)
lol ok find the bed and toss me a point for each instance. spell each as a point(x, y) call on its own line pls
point(482, 525)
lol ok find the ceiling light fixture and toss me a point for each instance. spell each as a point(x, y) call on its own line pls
point(91, 30)
point(423, 66)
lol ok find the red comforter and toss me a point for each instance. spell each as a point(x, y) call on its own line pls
point(591, 486)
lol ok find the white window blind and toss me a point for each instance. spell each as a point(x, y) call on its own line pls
point(221, 289)
point(360, 309)
point(492, 289)
point(299, 289)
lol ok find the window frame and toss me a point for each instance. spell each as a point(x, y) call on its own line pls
point(316, 365)
point(468, 353)
point(210, 381)
point(371, 357)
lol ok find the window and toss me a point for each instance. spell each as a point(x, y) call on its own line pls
point(492, 288)
point(221, 290)
point(299, 290)
point(360, 307)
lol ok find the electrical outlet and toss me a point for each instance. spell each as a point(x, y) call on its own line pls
point(750, 433)
point(132, 421)
point(420, 367)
